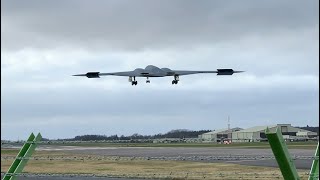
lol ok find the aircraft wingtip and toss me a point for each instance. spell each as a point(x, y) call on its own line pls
point(78, 75)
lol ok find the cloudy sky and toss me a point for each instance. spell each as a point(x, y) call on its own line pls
point(44, 42)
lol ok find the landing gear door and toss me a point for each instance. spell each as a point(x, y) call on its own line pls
point(176, 77)
point(130, 79)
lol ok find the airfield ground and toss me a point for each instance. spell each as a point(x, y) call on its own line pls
point(153, 169)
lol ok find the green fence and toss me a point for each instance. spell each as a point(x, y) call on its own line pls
point(276, 141)
point(281, 153)
point(285, 162)
point(22, 157)
point(314, 172)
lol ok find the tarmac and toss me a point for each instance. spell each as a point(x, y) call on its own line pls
point(190, 152)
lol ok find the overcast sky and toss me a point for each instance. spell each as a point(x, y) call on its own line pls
point(44, 42)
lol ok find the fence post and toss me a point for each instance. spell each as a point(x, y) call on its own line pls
point(314, 171)
point(281, 153)
point(22, 157)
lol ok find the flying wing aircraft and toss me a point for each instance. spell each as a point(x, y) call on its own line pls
point(153, 71)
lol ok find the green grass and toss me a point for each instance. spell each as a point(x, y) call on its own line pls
point(145, 168)
point(162, 168)
point(9, 151)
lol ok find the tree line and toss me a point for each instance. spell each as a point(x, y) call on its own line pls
point(178, 133)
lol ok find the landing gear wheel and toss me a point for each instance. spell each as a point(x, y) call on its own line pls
point(134, 83)
point(176, 79)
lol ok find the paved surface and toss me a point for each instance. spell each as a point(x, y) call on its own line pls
point(188, 152)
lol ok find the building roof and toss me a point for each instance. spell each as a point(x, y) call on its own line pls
point(221, 131)
point(263, 128)
point(306, 133)
point(257, 128)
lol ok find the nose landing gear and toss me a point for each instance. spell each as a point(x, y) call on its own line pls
point(147, 81)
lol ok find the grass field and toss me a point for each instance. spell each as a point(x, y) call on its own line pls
point(147, 168)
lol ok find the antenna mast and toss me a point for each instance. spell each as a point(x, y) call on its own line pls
point(229, 123)
point(229, 130)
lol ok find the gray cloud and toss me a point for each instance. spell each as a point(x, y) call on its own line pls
point(136, 25)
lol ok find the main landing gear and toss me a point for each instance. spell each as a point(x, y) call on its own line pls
point(174, 82)
point(133, 82)
point(176, 79)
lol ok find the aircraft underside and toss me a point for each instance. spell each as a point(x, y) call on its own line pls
point(135, 82)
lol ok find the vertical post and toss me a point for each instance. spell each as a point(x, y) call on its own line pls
point(314, 171)
point(22, 157)
point(281, 153)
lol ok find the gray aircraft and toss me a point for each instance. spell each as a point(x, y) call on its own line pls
point(153, 71)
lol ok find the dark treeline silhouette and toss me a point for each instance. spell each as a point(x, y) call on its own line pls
point(179, 133)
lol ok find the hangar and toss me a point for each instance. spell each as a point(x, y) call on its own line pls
point(257, 133)
point(218, 135)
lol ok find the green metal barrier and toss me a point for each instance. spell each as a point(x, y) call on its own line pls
point(314, 171)
point(281, 153)
point(22, 157)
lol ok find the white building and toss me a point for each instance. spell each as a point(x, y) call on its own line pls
point(257, 133)
point(218, 135)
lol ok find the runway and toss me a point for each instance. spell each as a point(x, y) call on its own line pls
point(189, 152)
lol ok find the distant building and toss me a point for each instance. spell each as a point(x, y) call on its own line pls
point(218, 135)
point(257, 133)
